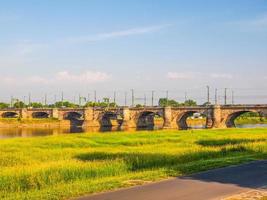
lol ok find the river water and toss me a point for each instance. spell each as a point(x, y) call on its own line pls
point(237, 126)
point(38, 132)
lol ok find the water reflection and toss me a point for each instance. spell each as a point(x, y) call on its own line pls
point(38, 132)
point(251, 125)
point(198, 126)
point(31, 132)
point(35, 132)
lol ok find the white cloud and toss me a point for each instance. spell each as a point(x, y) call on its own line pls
point(221, 76)
point(87, 76)
point(116, 34)
point(199, 75)
point(180, 75)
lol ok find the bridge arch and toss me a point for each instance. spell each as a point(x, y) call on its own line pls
point(72, 116)
point(109, 120)
point(147, 120)
point(230, 120)
point(182, 119)
point(40, 115)
point(10, 114)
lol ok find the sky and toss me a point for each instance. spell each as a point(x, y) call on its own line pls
point(79, 46)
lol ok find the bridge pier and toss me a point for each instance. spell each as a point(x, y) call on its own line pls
point(55, 113)
point(209, 120)
point(23, 113)
point(126, 118)
point(217, 117)
point(90, 119)
point(127, 122)
point(168, 122)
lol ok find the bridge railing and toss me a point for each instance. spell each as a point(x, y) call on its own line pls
point(144, 107)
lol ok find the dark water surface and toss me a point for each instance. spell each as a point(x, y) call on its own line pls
point(38, 132)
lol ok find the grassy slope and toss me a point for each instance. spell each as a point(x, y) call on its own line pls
point(59, 167)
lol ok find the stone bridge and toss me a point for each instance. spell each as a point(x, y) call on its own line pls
point(131, 117)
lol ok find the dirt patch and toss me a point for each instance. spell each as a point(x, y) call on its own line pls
point(135, 182)
point(250, 195)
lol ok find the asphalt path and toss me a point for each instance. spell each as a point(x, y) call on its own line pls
point(213, 184)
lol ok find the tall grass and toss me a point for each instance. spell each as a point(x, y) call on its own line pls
point(60, 167)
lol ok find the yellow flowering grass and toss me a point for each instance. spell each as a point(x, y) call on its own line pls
point(65, 166)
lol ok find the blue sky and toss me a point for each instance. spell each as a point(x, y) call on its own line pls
point(181, 46)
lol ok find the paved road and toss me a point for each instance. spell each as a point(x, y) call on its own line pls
point(214, 184)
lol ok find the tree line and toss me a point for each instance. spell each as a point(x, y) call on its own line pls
point(163, 102)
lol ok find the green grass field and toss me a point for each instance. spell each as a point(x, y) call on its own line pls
point(251, 120)
point(60, 167)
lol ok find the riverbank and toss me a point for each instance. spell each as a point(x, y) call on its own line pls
point(55, 123)
point(202, 121)
point(238, 121)
point(60, 167)
point(251, 120)
point(31, 123)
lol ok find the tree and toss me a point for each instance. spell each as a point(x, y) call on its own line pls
point(66, 104)
point(106, 100)
point(113, 104)
point(206, 104)
point(104, 103)
point(3, 105)
point(35, 105)
point(19, 104)
point(139, 106)
point(250, 114)
point(190, 102)
point(163, 102)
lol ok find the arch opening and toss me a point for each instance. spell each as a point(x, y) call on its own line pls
point(246, 119)
point(75, 118)
point(10, 115)
point(72, 116)
point(149, 121)
point(40, 115)
point(110, 121)
point(192, 120)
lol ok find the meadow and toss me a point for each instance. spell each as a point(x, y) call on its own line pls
point(65, 166)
